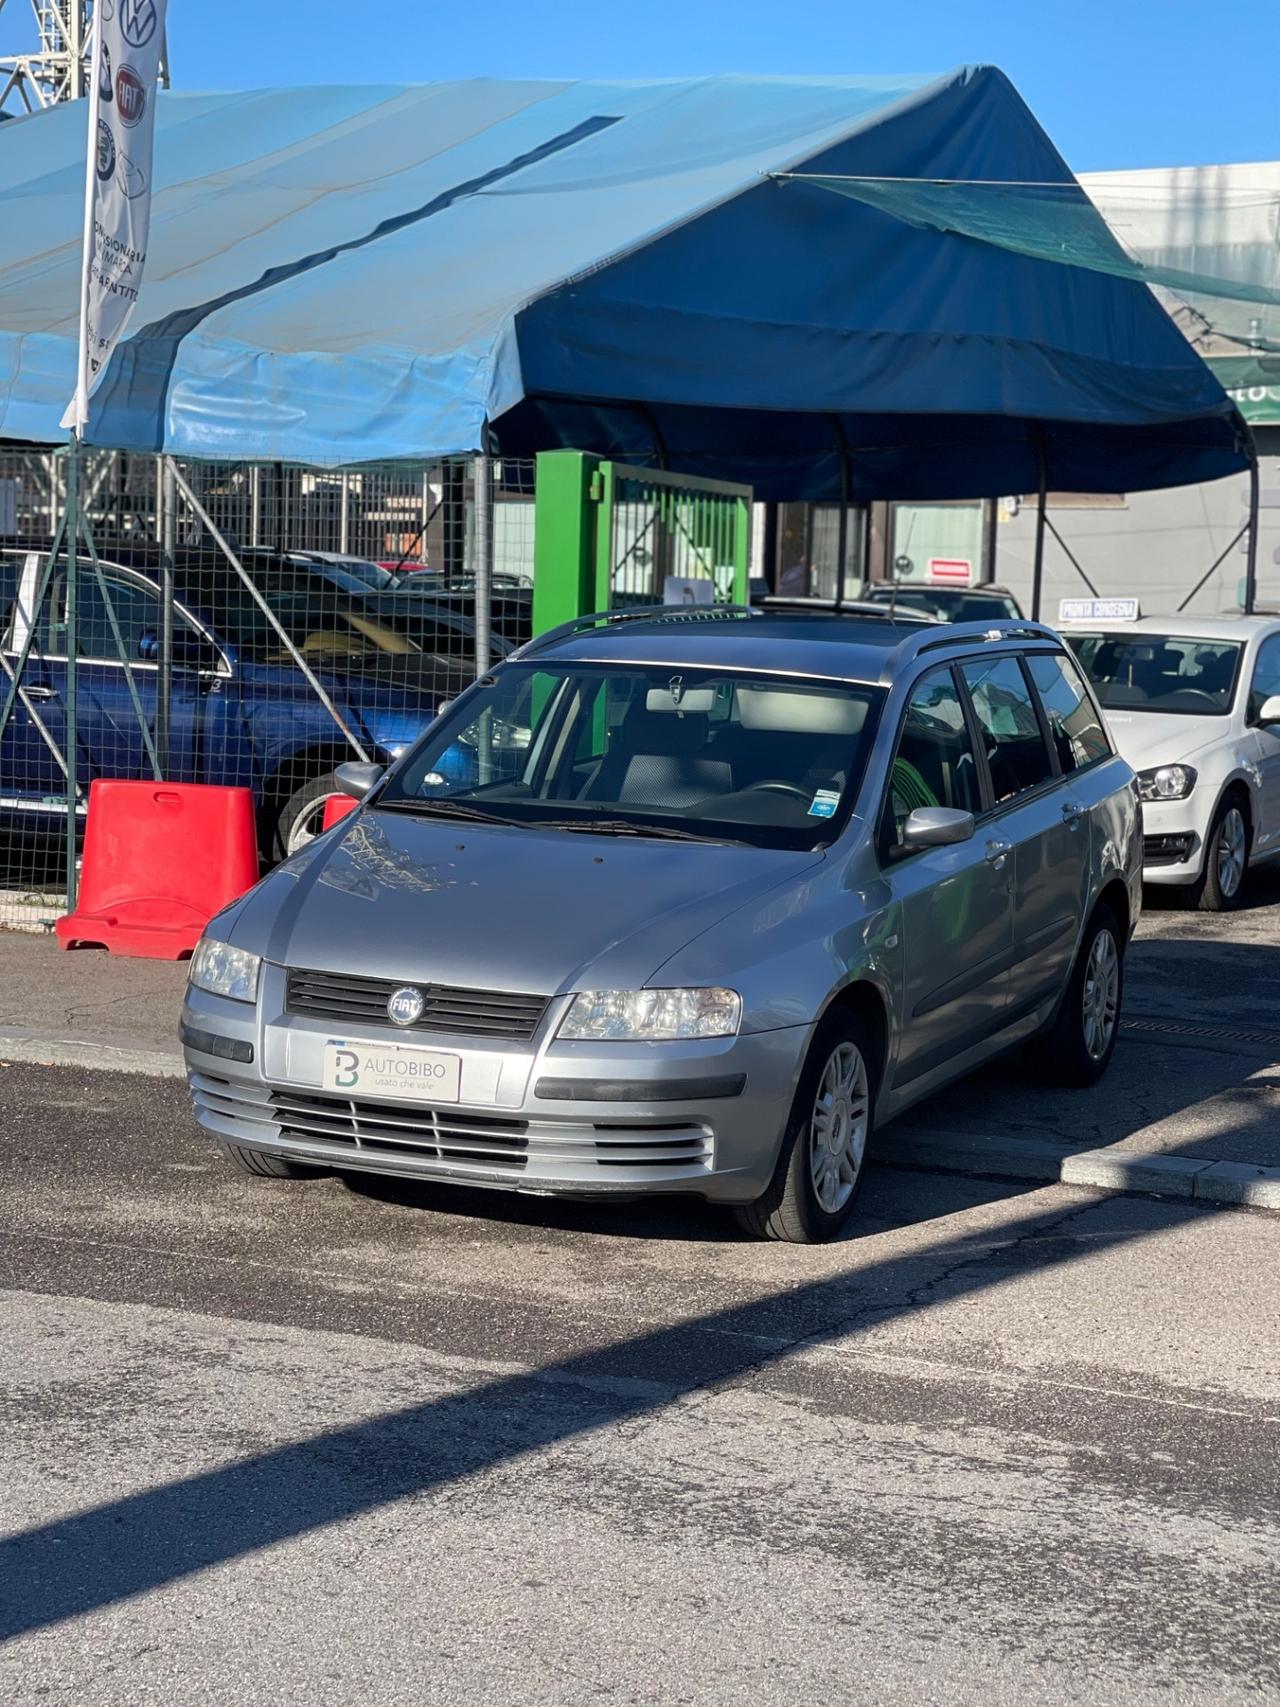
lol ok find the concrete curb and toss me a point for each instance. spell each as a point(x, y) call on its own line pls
point(1149, 1171)
point(44, 1051)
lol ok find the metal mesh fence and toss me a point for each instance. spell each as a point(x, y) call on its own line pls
point(318, 615)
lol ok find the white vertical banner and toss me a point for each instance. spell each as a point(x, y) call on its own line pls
point(128, 38)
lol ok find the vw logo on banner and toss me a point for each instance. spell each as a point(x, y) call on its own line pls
point(138, 19)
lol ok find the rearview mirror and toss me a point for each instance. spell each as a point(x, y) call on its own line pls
point(936, 827)
point(355, 779)
point(1269, 711)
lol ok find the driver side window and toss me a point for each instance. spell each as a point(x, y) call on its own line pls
point(934, 764)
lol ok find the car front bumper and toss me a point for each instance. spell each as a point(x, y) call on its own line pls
point(581, 1119)
point(1172, 841)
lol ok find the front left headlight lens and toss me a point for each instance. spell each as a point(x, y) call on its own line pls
point(225, 971)
point(1166, 782)
point(652, 1016)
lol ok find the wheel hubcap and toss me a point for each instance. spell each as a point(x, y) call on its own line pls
point(1230, 851)
point(1101, 994)
point(838, 1129)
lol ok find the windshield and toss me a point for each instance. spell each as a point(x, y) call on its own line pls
point(951, 605)
point(648, 749)
point(1169, 673)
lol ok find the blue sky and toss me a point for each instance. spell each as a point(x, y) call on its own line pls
point(1121, 84)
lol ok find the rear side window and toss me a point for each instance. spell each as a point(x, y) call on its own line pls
point(934, 764)
point(1016, 754)
point(9, 569)
point(1074, 726)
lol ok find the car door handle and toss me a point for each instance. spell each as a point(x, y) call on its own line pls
point(1072, 813)
point(997, 852)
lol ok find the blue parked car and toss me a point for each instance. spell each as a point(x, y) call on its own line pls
point(242, 712)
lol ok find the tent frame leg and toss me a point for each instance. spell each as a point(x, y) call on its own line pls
point(1037, 576)
point(1251, 561)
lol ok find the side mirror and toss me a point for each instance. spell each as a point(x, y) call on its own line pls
point(1269, 710)
point(937, 827)
point(355, 779)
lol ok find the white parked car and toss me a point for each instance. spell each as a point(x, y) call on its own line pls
point(1194, 705)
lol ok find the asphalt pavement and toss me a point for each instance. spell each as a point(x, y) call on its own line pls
point(271, 1441)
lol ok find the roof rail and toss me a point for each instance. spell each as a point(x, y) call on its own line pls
point(969, 634)
point(864, 608)
point(635, 613)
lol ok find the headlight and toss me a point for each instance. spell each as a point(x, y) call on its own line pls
point(652, 1016)
point(225, 971)
point(1166, 782)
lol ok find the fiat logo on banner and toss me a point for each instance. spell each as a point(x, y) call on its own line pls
point(131, 96)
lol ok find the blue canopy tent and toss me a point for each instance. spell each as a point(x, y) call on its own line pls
point(343, 275)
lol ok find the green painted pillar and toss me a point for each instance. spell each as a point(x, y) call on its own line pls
point(564, 548)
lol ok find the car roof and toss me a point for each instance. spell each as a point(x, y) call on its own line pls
point(1181, 627)
point(855, 648)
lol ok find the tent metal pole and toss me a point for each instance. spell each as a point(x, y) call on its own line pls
point(69, 692)
point(842, 529)
point(1037, 575)
point(1251, 561)
point(168, 547)
point(482, 483)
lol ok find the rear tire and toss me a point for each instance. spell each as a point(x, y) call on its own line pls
point(822, 1163)
point(1226, 856)
point(1076, 1050)
point(267, 1167)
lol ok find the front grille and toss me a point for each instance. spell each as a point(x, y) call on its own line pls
point(1166, 850)
point(461, 1013)
point(437, 1133)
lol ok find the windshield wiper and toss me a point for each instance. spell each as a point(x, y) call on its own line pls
point(445, 809)
point(624, 827)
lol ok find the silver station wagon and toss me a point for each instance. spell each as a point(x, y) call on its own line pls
point(683, 902)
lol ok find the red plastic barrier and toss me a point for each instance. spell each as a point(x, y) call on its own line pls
point(160, 859)
point(336, 808)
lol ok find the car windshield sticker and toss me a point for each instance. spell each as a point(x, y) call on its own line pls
point(825, 802)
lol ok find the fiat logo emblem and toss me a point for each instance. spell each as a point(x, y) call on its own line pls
point(404, 1006)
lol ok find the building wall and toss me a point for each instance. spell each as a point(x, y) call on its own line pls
point(1155, 547)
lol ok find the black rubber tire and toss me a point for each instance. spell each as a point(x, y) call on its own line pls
point(1207, 891)
point(788, 1210)
point(267, 1167)
point(1059, 1056)
point(290, 810)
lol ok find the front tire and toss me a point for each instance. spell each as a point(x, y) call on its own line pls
point(262, 1166)
point(822, 1162)
point(1077, 1049)
point(300, 817)
point(1226, 854)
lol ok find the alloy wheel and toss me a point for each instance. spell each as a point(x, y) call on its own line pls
point(1229, 851)
point(1101, 994)
point(838, 1128)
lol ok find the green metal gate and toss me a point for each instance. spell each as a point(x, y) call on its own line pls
point(609, 535)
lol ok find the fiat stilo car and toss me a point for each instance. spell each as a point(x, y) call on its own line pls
point(683, 902)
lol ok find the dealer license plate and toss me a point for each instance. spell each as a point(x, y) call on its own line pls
point(399, 1070)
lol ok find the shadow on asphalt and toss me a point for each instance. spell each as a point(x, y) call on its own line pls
point(132, 1545)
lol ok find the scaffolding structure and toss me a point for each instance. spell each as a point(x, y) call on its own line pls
point(57, 67)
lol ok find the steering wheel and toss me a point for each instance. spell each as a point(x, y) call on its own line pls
point(1201, 693)
point(776, 785)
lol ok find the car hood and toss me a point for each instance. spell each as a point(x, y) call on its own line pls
point(542, 911)
point(1146, 738)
